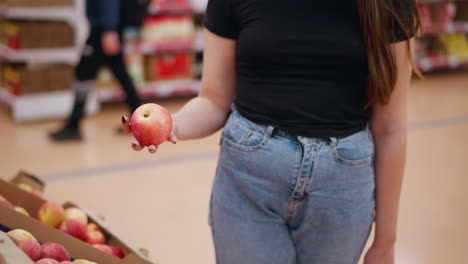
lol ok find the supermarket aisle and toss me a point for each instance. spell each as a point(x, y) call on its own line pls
point(160, 202)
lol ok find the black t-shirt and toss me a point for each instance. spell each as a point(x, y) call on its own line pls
point(301, 65)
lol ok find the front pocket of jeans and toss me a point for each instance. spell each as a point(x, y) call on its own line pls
point(244, 139)
point(356, 150)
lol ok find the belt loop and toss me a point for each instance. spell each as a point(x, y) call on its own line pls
point(269, 131)
point(333, 141)
point(233, 107)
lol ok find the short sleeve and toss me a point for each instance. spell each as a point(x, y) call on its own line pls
point(220, 19)
point(404, 8)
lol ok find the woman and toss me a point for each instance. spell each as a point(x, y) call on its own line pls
point(313, 150)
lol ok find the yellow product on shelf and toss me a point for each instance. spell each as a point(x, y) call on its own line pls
point(456, 45)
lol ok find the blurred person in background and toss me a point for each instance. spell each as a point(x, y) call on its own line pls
point(104, 46)
point(312, 98)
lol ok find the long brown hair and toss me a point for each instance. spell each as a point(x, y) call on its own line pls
point(379, 18)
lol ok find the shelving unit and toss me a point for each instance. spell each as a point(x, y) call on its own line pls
point(154, 90)
point(50, 104)
point(440, 44)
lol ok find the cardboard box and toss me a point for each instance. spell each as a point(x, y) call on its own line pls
point(13, 254)
point(17, 34)
point(23, 79)
point(78, 249)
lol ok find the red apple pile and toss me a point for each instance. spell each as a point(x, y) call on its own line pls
point(47, 253)
point(72, 221)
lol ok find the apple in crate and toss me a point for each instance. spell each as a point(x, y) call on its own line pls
point(104, 248)
point(151, 124)
point(18, 235)
point(74, 227)
point(21, 210)
point(94, 234)
point(6, 203)
point(83, 261)
point(47, 261)
point(31, 247)
point(54, 251)
point(76, 213)
point(116, 251)
point(51, 213)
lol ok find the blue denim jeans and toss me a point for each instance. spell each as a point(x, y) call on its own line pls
point(281, 199)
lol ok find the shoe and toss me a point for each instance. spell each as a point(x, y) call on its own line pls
point(66, 134)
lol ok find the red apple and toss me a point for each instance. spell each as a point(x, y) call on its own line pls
point(51, 213)
point(116, 251)
point(47, 261)
point(104, 248)
point(6, 203)
point(54, 251)
point(31, 248)
point(76, 213)
point(17, 235)
point(151, 124)
point(83, 261)
point(21, 210)
point(94, 235)
point(74, 227)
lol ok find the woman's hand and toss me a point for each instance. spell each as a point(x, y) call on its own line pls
point(136, 145)
point(380, 255)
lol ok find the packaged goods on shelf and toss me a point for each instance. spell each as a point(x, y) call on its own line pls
point(16, 34)
point(169, 66)
point(36, 3)
point(168, 30)
point(170, 6)
point(29, 79)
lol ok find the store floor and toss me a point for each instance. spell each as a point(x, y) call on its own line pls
point(160, 202)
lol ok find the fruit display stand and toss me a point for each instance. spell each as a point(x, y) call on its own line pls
point(11, 219)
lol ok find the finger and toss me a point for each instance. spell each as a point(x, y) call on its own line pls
point(137, 146)
point(126, 125)
point(152, 149)
point(172, 138)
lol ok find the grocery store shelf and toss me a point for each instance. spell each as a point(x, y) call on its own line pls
point(171, 9)
point(154, 90)
point(56, 55)
point(41, 106)
point(195, 45)
point(67, 14)
point(456, 27)
point(440, 63)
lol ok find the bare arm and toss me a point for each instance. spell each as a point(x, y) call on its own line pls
point(388, 125)
point(205, 114)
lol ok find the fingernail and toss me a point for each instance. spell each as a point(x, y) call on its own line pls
point(123, 120)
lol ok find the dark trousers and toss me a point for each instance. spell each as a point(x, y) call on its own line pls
point(92, 59)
